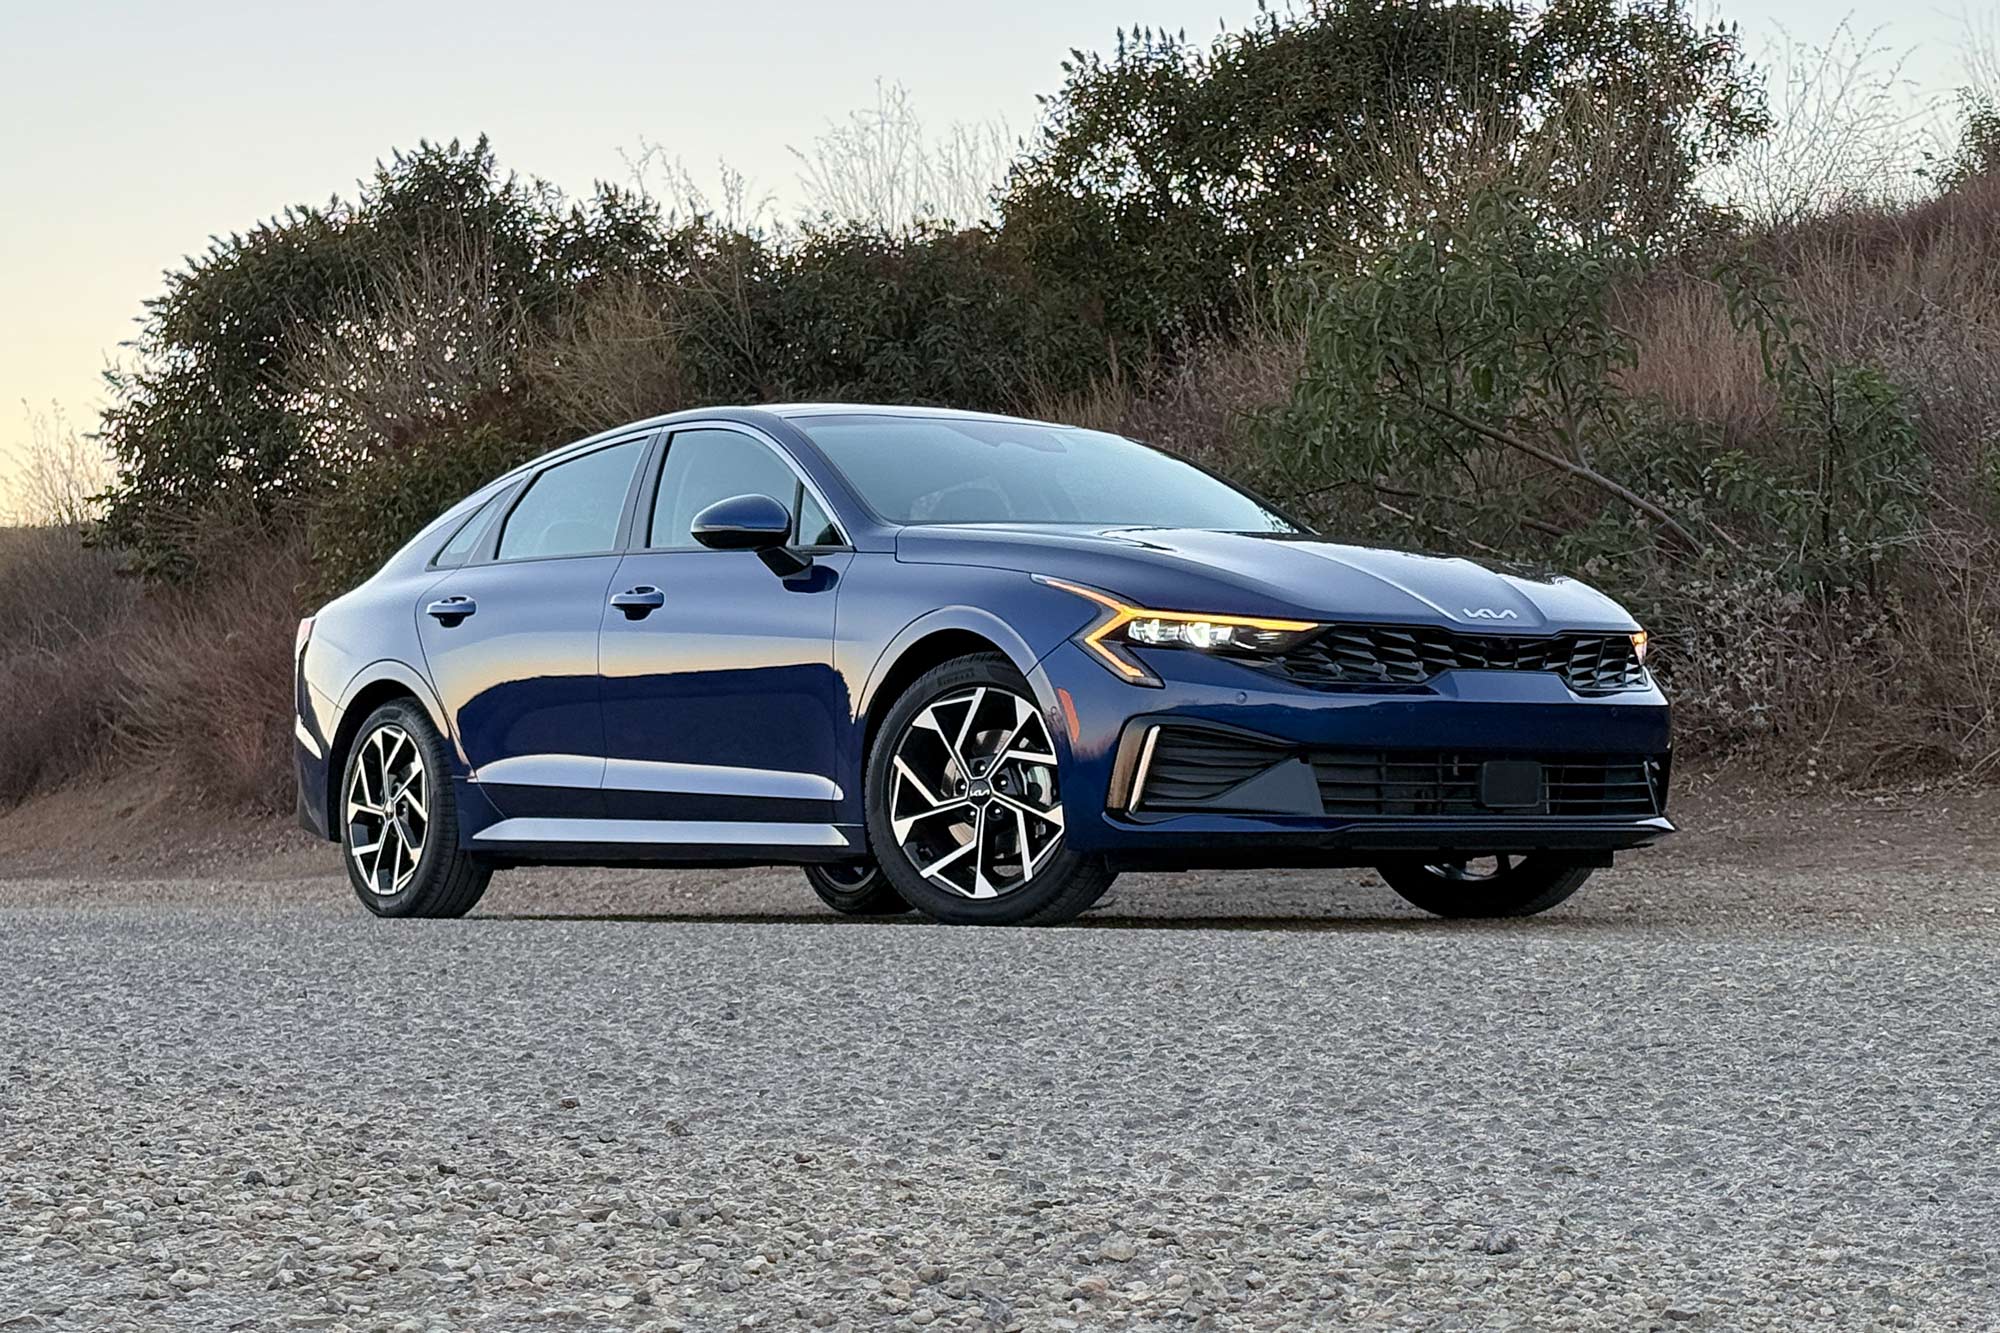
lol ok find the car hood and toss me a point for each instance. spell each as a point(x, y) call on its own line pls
point(1272, 574)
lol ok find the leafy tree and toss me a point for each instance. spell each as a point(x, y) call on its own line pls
point(208, 423)
point(1172, 181)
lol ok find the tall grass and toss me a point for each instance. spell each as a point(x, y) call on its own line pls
point(99, 674)
point(60, 606)
point(204, 683)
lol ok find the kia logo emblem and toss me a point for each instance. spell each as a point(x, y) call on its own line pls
point(1488, 613)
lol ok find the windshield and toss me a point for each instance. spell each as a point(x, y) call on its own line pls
point(972, 470)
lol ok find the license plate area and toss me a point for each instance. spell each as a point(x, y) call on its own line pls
point(1510, 784)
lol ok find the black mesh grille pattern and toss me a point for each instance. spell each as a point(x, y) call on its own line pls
point(1394, 655)
point(1192, 767)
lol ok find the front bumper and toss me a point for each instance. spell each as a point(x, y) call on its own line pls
point(1455, 724)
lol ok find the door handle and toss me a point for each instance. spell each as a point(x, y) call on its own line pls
point(451, 610)
point(640, 602)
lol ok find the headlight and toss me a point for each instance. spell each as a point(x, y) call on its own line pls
point(1639, 646)
point(1123, 624)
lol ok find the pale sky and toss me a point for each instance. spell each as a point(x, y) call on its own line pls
point(130, 132)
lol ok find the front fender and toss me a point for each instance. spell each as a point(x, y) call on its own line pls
point(961, 619)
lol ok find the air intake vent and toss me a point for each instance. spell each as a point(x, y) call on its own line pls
point(1192, 767)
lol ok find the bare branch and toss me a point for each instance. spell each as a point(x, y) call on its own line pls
point(1575, 469)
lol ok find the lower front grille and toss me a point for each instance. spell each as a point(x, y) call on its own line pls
point(1194, 768)
point(1392, 783)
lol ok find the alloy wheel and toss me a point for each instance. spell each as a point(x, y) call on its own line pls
point(973, 800)
point(388, 810)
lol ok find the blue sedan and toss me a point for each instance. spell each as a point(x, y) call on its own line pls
point(971, 665)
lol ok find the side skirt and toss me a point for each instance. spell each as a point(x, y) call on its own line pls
point(666, 841)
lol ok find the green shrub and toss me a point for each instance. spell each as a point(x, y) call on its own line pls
point(930, 315)
point(1465, 382)
point(368, 514)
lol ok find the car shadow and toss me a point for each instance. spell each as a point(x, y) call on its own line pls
point(1274, 924)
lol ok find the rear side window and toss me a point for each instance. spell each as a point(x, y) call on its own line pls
point(573, 508)
point(466, 540)
point(704, 466)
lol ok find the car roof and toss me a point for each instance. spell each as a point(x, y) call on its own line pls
point(796, 411)
point(807, 411)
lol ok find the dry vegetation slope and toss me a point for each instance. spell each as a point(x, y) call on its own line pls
point(491, 318)
point(101, 676)
point(98, 673)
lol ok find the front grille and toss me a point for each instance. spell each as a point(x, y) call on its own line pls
point(1196, 769)
point(1394, 655)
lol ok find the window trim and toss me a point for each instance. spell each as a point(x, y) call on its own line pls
point(489, 545)
point(640, 541)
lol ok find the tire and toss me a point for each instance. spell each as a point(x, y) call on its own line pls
point(994, 806)
point(398, 753)
point(856, 888)
point(1517, 886)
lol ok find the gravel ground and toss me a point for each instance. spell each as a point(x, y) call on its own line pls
point(1713, 1092)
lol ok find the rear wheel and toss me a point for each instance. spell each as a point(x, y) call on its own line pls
point(1491, 886)
point(399, 826)
point(856, 888)
point(965, 805)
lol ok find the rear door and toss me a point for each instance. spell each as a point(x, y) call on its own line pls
point(722, 704)
point(510, 637)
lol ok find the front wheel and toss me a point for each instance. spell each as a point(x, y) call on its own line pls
point(399, 827)
point(965, 806)
point(1492, 886)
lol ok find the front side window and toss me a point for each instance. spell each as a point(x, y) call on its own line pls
point(814, 528)
point(984, 470)
point(573, 508)
point(704, 466)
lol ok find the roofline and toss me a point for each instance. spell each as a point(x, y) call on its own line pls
point(795, 411)
point(762, 415)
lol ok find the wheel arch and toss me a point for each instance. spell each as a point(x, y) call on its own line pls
point(930, 642)
point(377, 684)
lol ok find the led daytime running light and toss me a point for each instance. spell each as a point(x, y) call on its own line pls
point(1195, 629)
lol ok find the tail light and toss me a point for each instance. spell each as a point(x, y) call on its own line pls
point(303, 637)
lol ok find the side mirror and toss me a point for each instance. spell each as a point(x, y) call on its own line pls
point(750, 523)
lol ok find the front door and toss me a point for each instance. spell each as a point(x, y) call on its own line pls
point(721, 704)
point(511, 638)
